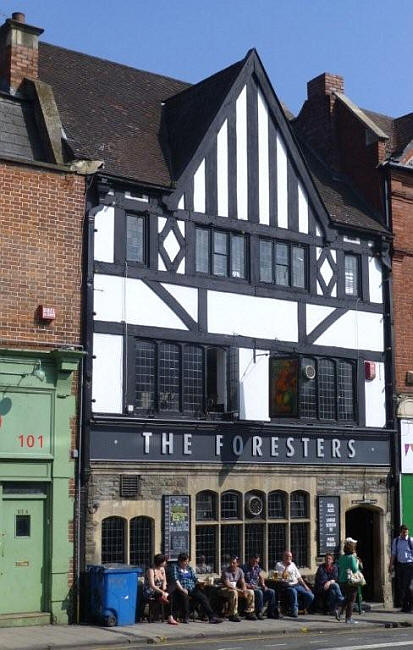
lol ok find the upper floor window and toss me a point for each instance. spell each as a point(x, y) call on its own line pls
point(135, 238)
point(283, 264)
point(313, 388)
point(179, 378)
point(220, 253)
point(351, 275)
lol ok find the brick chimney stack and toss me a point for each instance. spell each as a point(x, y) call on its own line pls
point(315, 123)
point(18, 52)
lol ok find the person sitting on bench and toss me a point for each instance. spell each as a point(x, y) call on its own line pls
point(185, 586)
point(292, 584)
point(326, 584)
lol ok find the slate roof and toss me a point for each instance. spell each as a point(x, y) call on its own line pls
point(110, 111)
point(345, 206)
point(18, 133)
point(188, 115)
point(115, 113)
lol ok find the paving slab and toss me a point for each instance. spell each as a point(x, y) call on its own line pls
point(66, 637)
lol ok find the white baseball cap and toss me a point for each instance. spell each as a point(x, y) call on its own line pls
point(351, 540)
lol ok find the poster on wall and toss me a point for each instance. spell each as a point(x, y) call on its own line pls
point(176, 525)
point(406, 446)
point(328, 525)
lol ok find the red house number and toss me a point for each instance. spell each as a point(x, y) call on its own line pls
point(31, 441)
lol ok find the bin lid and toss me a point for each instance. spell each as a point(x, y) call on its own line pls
point(116, 568)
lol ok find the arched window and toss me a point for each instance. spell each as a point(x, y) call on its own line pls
point(277, 502)
point(230, 505)
point(141, 541)
point(299, 505)
point(206, 506)
point(113, 540)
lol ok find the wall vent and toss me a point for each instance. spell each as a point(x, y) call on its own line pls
point(129, 485)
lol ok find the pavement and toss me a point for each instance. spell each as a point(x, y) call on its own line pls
point(64, 637)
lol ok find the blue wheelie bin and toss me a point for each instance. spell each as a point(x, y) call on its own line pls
point(113, 593)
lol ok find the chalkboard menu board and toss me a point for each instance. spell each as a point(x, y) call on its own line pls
point(328, 525)
point(176, 525)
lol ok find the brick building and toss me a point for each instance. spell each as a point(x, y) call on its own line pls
point(374, 152)
point(41, 216)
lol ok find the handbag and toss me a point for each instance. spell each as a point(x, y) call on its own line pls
point(355, 578)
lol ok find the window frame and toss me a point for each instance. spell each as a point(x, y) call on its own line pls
point(290, 246)
point(230, 235)
point(145, 247)
point(182, 412)
point(357, 283)
point(300, 381)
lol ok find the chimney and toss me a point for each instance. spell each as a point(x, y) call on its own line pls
point(18, 52)
point(315, 123)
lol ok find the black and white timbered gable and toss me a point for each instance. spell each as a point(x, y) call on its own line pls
point(230, 294)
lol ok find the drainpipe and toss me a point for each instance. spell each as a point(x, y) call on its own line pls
point(395, 447)
point(78, 498)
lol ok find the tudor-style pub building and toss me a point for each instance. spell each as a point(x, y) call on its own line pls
point(238, 387)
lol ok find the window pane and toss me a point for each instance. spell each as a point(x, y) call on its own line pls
point(254, 541)
point(351, 275)
point(193, 379)
point(140, 542)
point(145, 375)
point(22, 525)
point(299, 505)
point(298, 267)
point(281, 264)
point(238, 256)
point(308, 392)
point(220, 242)
point(206, 544)
point(276, 505)
point(202, 251)
point(169, 361)
point(276, 543)
point(230, 503)
point(230, 542)
point(266, 261)
point(299, 544)
point(205, 506)
point(134, 238)
point(345, 391)
point(283, 387)
point(113, 540)
point(327, 389)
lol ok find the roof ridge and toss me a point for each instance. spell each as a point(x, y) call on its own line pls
point(121, 65)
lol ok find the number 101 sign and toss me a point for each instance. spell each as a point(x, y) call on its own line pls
point(25, 422)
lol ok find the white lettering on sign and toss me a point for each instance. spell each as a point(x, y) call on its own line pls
point(290, 447)
point(274, 446)
point(305, 442)
point(335, 448)
point(187, 444)
point(238, 445)
point(147, 436)
point(256, 446)
point(218, 445)
point(320, 448)
point(351, 449)
point(167, 443)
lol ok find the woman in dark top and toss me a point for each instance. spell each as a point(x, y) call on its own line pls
point(154, 586)
point(326, 584)
point(348, 562)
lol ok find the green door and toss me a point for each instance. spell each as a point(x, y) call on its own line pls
point(22, 555)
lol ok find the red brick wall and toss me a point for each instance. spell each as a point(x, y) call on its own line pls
point(401, 188)
point(18, 62)
point(41, 216)
point(359, 159)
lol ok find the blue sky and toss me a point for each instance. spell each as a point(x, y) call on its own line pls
point(366, 41)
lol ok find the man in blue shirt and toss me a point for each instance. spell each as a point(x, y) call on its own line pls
point(262, 594)
point(185, 586)
point(402, 559)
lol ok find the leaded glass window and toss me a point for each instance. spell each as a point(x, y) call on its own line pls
point(113, 540)
point(140, 542)
point(135, 238)
point(351, 275)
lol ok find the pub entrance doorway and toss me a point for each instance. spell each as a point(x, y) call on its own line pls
point(363, 524)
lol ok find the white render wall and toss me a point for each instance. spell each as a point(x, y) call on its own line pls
point(375, 280)
point(254, 381)
point(107, 373)
point(375, 395)
point(104, 234)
